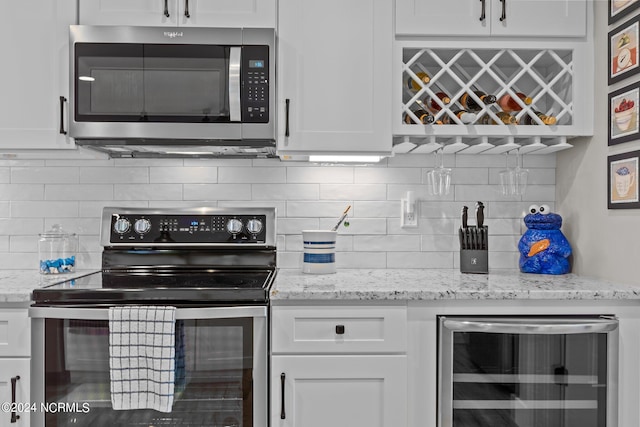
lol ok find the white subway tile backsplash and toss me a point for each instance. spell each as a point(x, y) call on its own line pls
point(233, 175)
point(180, 175)
point(45, 175)
point(79, 192)
point(24, 209)
point(388, 176)
point(353, 191)
point(35, 194)
point(111, 175)
point(21, 192)
point(285, 191)
point(147, 191)
point(387, 243)
point(327, 175)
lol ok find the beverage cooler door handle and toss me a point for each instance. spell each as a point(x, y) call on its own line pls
point(504, 10)
point(531, 327)
point(283, 414)
point(166, 8)
point(235, 57)
point(186, 9)
point(482, 13)
point(14, 416)
point(62, 101)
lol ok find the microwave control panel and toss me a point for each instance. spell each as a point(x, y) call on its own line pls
point(255, 84)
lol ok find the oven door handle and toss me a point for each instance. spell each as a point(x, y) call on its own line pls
point(530, 326)
point(235, 104)
point(181, 313)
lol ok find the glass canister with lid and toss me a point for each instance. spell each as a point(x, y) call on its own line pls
point(57, 250)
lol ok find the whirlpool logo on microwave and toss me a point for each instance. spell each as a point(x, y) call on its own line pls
point(173, 34)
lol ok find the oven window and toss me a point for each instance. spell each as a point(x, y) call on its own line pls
point(151, 83)
point(522, 380)
point(213, 375)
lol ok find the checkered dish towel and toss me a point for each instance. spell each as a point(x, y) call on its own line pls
point(142, 357)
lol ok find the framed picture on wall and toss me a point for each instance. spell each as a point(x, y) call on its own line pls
point(623, 50)
point(624, 114)
point(622, 180)
point(621, 8)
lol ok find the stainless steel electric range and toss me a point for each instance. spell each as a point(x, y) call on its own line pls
point(215, 265)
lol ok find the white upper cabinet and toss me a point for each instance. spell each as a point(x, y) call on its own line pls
point(335, 76)
point(542, 18)
point(34, 40)
point(194, 13)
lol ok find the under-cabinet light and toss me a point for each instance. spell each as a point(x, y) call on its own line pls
point(345, 158)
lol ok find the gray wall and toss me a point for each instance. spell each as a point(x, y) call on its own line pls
point(606, 242)
point(35, 194)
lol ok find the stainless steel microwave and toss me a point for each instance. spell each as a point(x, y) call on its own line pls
point(157, 91)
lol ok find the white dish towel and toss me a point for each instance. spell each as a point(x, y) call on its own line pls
point(142, 357)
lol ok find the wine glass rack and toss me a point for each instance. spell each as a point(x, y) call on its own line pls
point(546, 75)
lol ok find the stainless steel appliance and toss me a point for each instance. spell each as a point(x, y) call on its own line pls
point(528, 371)
point(216, 266)
point(159, 92)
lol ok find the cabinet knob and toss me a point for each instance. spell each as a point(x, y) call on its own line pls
point(340, 329)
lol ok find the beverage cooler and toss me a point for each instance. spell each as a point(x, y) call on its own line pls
point(527, 371)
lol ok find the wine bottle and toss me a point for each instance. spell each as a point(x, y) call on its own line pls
point(464, 116)
point(547, 120)
point(509, 105)
point(414, 85)
point(505, 118)
point(472, 105)
point(433, 106)
point(424, 117)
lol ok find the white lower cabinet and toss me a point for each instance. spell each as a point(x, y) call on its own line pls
point(338, 391)
point(339, 366)
point(15, 367)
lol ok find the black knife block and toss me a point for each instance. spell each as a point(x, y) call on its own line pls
point(476, 260)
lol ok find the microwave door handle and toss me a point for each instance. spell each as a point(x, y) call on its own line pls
point(531, 327)
point(235, 57)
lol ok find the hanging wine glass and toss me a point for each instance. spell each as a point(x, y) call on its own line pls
point(439, 178)
point(513, 181)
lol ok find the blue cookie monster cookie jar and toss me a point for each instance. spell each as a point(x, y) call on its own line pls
point(543, 248)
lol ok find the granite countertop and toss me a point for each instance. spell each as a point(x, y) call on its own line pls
point(430, 284)
point(385, 284)
point(16, 285)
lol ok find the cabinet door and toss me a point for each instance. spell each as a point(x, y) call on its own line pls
point(227, 13)
point(335, 77)
point(34, 40)
point(127, 12)
point(18, 369)
point(542, 18)
point(339, 391)
point(15, 332)
point(443, 17)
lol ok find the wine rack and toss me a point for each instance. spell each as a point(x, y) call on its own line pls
point(553, 76)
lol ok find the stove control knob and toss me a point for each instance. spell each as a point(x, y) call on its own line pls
point(121, 225)
point(234, 226)
point(254, 226)
point(142, 226)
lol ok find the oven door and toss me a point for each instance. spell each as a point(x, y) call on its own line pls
point(223, 380)
point(528, 371)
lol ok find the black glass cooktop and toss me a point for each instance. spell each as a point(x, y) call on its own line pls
point(175, 287)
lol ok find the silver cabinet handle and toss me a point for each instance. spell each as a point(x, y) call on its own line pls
point(504, 10)
point(186, 9)
point(166, 8)
point(482, 14)
point(531, 326)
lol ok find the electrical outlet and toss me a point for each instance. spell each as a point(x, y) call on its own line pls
point(408, 213)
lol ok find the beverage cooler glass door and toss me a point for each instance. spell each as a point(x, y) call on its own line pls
point(220, 369)
point(130, 82)
point(527, 371)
